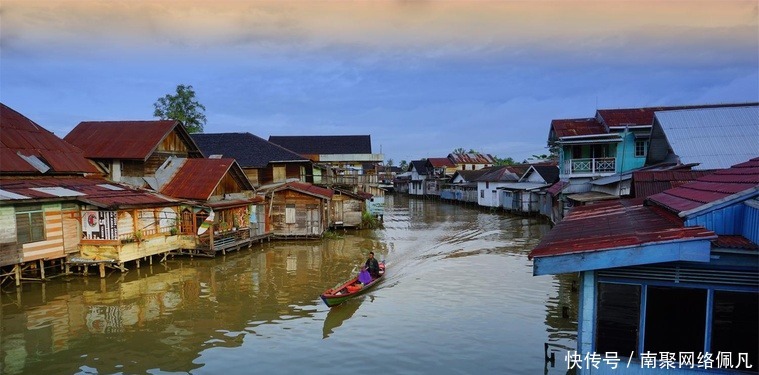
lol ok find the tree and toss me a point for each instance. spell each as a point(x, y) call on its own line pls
point(182, 107)
point(459, 150)
point(505, 161)
point(403, 165)
point(389, 162)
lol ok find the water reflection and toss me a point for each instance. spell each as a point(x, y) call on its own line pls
point(339, 314)
point(260, 309)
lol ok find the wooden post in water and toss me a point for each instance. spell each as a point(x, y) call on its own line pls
point(42, 269)
point(17, 271)
point(101, 266)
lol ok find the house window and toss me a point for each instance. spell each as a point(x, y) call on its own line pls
point(30, 224)
point(482, 193)
point(618, 318)
point(675, 320)
point(640, 148)
point(734, 324)
point(657, 319)
point(290, 214)
point(280, 174)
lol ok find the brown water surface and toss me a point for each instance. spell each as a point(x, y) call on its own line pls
point(459, 298)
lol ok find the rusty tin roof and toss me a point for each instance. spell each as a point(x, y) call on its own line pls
point(134, 140)
point(22, 136)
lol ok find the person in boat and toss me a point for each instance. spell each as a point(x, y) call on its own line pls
point(372, 265)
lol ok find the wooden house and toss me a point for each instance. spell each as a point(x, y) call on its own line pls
point(35, 233)
point(439, 172)
point(134, 152)
point(347, 208)
point(222, 195)
point(417, 185)
point(488, 194)
point(298, 210)
point(678, 273)
point(462, 187)
point(348, 159)
point(523, 196)
point(262, 161)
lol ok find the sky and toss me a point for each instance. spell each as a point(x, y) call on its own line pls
point(421, 77)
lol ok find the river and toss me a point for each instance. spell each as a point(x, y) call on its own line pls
point(458, 298)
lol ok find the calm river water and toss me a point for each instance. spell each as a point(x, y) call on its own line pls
point(459, 298)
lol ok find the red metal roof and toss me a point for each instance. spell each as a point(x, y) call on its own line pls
point(95, 191)
point(645, 116)
point(310, 189)
point(710, 188)
point(471, 158)
point(441, 162)
point(614, 224)
point(556, 188)
point(120, 139)
point(648, 183)
point(577, 126)
point(197, 178)
point(734, 242)
point(19, 134)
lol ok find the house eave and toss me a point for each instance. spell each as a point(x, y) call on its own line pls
point(692, 250)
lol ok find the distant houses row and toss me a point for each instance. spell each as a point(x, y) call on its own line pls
point(618, 153)
point(122, 191)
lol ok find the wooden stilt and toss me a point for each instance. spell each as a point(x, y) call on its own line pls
point(42, 269)
point(102, 270)
point(138, 263)
point(17, 271)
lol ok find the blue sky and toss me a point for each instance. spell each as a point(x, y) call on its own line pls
point(421, 77)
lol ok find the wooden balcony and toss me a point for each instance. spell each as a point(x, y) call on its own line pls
point(590, 167)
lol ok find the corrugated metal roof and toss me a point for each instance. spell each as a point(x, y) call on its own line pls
point(249, 150)
point(710, 188)
point(471, 175)
point(197, 178)
point(22, 136)
point(648, 183)
point(556, 188)
point(511, 173)
point(713, 137)
point(90, 190)
point(645, 116)
point(577, 126)
point(325, 144)
point(310, 189)
point(613, 225)
point(472, 158)
point(441, 162)
point(135, 140)
point(734, 242)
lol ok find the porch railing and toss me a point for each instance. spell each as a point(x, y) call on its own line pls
point(591, 165)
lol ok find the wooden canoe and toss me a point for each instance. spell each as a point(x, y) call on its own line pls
point(349, 289)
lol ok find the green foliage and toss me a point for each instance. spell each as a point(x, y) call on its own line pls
point(403, 165)
point(389, 162)
point(369, 221)
point(182, 107)
point(504, 161)
point(332, 235)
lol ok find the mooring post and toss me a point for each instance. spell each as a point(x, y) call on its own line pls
point(17, 271)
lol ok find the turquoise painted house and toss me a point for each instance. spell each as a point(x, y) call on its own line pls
point(667, 283)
